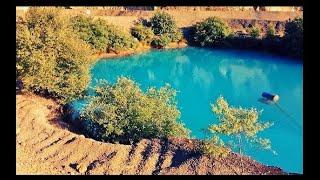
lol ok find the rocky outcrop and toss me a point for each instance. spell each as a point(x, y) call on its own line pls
point(45, 145)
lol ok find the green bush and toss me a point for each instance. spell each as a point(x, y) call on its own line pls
point(119, 40)
point(210, 32)
point(176, 36)
point(50, 59)
point(101, 35)
point(161, 42)
point(270, 32)
point(294, 37)
point(239, 123)
point(254, 32)
point(91, 31)
point(122, 112)
point(142, 33)
point(163, 23)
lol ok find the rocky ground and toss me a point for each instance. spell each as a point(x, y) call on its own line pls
point(45, 145)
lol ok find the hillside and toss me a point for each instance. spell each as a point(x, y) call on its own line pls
point(45, 145)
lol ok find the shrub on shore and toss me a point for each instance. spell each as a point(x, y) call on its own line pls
point(294, 37)
point(237, 123)
point(122, 112)
point(163, 23)
point(161, 41)
point(164, 26)
point(118, 40)
point(101, 35)
point(50, 59)
point(270, 32)
point(142, 33)
point(254, 31)
point(210, 32)
point(91, 31)
point(53, 52)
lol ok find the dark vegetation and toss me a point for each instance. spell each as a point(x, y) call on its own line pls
point(213, 32)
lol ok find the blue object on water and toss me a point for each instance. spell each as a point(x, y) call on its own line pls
point(200, 75)
point(268, 96)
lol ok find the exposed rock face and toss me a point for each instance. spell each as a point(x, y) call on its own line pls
point(46, 146)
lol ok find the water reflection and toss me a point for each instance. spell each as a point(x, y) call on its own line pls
point(151, 75)
point(201, 75)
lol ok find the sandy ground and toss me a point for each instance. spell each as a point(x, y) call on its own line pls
point(126, 19)
point(45, 145)
point(188, 18)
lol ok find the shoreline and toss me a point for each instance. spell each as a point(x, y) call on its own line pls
point(141, 49)
point(56, 150)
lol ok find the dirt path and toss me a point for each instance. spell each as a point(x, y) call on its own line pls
point(46, 146)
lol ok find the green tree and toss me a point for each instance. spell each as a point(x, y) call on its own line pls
point(161, 41)
point(294, 37)
point(119, 40)
point(91, 31)
point(270, 32)
point(142, 33)
point(122, 112)
point(240, 124)
point(210, 32)
point(254, 32)
point(101, 35)
point(50, 59)
point(163, 23)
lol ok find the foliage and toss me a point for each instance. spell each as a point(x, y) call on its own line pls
point(119, 40)
point(294, 36)
point(123, 112)
point(270, 32)
point(161, 42)
point(142, 33)
point(91, 31)
point(210, 32)
point(50, 59)
point(163, 23)
point(101, 35)
point(254, 32)
point(239, 123)
point(214, 147)
point(176, 36)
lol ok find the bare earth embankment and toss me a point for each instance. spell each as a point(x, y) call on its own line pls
point(46, 146)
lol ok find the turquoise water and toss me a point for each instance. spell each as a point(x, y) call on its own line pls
point(201, 75)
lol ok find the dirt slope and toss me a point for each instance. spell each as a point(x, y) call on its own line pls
point(46, 146)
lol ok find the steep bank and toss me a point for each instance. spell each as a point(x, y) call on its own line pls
point(45, 145)
point(186, 18)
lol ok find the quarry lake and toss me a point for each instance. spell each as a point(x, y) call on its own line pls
point(201, 75)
